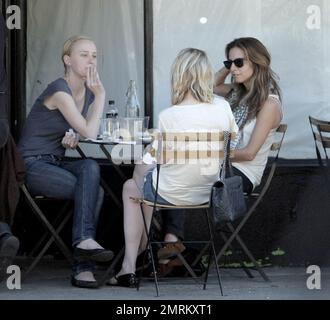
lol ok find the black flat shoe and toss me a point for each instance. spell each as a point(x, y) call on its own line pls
point(128, 280)
point(100, 255)
point(84, 284)
point(8, 249)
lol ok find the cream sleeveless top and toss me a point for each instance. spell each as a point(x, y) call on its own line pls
point(189, 184)
point(254, 169)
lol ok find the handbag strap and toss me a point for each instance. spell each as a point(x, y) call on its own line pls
point(226, 161)
point(229, 166)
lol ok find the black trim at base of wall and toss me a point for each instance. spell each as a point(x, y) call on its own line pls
point(297, 163)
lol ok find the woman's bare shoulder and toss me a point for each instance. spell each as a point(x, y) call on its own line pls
point(271, 111)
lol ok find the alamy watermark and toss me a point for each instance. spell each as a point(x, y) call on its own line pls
point(14, 278)
point(13, 19)
point(314, 280)
point(313, 21)
point(170, 147)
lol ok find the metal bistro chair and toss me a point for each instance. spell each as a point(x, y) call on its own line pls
point(168, 151)
point(53, 229)
point(321, 134)
point(254, 200)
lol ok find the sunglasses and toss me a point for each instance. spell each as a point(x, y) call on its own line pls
point(239, 63)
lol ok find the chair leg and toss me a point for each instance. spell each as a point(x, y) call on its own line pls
point(45, 248)
point(142, 268)
point(229, 241)
point(207, 271)
point(56, 237)
point(211, 233)
point(46, 223)
point(201, 253)
point(188, 267)
point(112, 266)
point(246, 270)
point(180, 256)
point(150, 250)
point(111, 194)
point(56, 221)
point(249, 254)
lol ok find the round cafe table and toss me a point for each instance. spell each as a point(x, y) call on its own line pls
point(137, 147)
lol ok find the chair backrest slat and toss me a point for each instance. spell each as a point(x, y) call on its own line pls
point(179, 146)
point(324, 140)
point(282, 128)
point(188, 147)
point(272, 163)
point(322, 124)
point(321, 134)
point(190, 155)
point(276, 146)
point(324, 127)
point(193, 136)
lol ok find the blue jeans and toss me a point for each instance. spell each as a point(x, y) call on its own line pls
point(78, 180)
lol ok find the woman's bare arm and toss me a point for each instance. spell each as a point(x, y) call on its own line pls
point(220, 88)
point(65, 104)
point(268, 118)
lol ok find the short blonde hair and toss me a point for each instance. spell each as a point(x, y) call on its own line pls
point(192, 71)
point(69, 44)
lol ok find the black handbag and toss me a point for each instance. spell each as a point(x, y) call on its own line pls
point(227, 197)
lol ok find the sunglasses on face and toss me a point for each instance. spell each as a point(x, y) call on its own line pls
point(239, 63)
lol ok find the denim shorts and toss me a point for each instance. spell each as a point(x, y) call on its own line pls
point(149, 190)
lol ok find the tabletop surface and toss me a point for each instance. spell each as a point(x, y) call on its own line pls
point(145, 140)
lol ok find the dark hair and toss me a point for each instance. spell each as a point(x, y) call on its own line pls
point(263, 80)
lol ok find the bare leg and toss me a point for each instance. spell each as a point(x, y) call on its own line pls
point(138, 175)
point(133, 222)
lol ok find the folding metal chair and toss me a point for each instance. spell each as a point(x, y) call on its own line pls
point(52, 229)
point(254, 200)
point(321, 134)
point(168, 151)
point(110, 270)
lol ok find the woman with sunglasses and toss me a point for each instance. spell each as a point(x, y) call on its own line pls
point(255, 98)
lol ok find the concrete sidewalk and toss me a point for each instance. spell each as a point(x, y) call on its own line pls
point(51, 281)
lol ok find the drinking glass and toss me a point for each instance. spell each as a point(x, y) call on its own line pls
point(109, 129)
point(133, 128)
